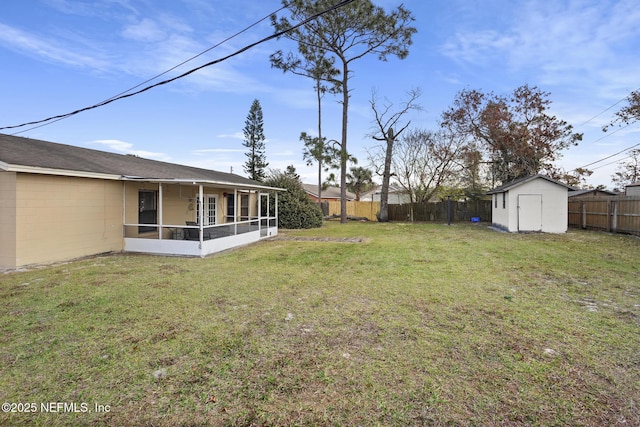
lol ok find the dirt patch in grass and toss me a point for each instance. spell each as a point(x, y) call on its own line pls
point(320, 239)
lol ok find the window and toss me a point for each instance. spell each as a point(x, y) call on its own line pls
point(495, 201)
point(147, 210)
point(504, 200)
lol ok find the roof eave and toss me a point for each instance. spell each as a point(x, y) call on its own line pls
point(196, 181)
point(59, 172)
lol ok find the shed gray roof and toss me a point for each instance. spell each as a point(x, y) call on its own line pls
point(520, 181)
point(17, 151)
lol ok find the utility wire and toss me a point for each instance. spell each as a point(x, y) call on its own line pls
point(610, 163)
point(208, 64)
point(607, 109)
point(159, 75)
point(610, 156)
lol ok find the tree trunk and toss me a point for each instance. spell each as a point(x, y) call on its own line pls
point(319, 141)
point(343, 149)
point(386, 178)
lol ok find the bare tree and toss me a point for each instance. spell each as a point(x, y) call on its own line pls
point(423, 161)
point(628, 171)
point(387, 121)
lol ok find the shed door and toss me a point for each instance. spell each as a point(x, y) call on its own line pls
point(530, 212)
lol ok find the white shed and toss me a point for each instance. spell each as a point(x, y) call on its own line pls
point(534, 203)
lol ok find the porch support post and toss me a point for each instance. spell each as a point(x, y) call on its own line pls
point(201, 211)
point(160, 210)
point(259, 210)
point(276, 209)
point(235, 211)
point(124, 209)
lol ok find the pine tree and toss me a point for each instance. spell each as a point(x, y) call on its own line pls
point(254, 139)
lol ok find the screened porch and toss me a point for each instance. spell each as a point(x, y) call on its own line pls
point(195, 218)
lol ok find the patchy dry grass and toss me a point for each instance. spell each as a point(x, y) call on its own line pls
point(417, 324)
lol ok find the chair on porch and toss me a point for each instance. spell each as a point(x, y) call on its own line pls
point(191, 233)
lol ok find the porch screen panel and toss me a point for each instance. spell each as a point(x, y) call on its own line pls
point(231, 207)
point(147, 210)
point(244, 207)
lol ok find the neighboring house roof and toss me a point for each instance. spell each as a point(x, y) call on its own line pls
point(635, 184)
point(577, 193)
point(509, 185)
point(378, 190)
point(328, 193)
point(20, 154)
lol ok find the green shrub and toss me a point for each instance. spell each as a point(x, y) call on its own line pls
point(295, 208)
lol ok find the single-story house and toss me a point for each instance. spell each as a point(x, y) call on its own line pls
point(397, 195)
point(534, 203)
point(632, 189)
point(59, 202)
point(328, 195)
point(573, 194)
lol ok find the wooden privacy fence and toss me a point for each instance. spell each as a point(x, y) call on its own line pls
point(614, 214)
point(460, 211)
point(356, 209)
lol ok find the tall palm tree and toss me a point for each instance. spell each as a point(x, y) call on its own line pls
point(359, 180)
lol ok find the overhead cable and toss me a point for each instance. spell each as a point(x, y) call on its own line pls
point(608, 108)
point(208, 64)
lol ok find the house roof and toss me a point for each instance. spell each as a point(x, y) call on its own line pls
point(328, 193)
point(20, 154)
point(634, 184)
point(378, 189)
point(520, 181)
point(576, 193)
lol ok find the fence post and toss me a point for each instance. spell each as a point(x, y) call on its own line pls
point(614, 220)
point(584, 215)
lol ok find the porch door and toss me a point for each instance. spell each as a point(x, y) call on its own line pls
point(210, 210)
point(530, 212)
point(147, 210)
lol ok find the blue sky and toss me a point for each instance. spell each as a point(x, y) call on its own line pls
point(61, 55)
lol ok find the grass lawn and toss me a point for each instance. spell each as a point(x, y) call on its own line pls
point(416, 324)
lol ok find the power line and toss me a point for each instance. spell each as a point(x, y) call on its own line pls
point(208, 64)
point(610, 163)
point(608, 157)
point(158, 75)
point(607, 109)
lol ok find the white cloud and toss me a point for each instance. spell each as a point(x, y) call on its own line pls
point(48, 50)
point(123, 147)
point(145, 31)
point(578, 42)
point(218, 150)
point(235, 135)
